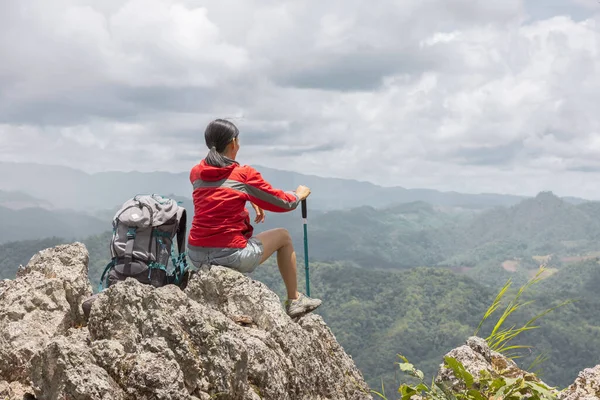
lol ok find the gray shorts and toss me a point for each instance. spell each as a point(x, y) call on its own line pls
point(243, 260)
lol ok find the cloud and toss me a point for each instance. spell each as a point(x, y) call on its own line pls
point(446, 94)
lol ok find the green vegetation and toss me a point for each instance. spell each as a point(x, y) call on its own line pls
point(482, 387)
point(485, 385)
point(490, 246)
point(499, 339)
point(425, 312)
point(422, 313)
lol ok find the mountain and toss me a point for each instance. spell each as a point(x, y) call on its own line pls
point(20, 200)
point(544, 229)
point(69, 188)
point(488, 245)
point(37, 223)
point(419, 234)
point(543, 219)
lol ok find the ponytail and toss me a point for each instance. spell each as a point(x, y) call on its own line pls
point(217, 159)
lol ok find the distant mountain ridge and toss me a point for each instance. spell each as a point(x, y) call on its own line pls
point(401, 236)
point(20, 200)
point(38, 223)
point(68, 188)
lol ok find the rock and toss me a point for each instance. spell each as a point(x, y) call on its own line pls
point(41, 303)
point(233, 294)
point(585, 387)
point(69, 264)
point(280, 345)
point(476, 356)
point(66, 369)
point(480, 346)
point(15, 391)
point(226, 336)
point(189, 344)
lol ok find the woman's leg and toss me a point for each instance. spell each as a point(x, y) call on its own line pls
point(279, 240)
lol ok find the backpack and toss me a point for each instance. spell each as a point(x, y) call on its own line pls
point(142, 243)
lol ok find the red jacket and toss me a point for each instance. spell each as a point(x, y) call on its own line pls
point(220, 195)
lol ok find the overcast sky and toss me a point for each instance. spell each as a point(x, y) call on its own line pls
point(465, 95)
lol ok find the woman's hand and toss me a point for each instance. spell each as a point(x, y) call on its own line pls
point(302, 192)
point(260, 214)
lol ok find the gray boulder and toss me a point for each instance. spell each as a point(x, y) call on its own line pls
point(476, 356)
point(41, 303)
point(192, 343)
point(585, 387)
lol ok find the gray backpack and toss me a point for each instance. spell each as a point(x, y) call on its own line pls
point(142, 242)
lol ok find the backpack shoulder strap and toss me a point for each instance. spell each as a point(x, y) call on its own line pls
point(131, 232)
point(180, 262)
point(181, 230)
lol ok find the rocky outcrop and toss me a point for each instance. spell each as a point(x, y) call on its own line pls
point(41, 303)
point(478, 360)
point(226, 336)
point(476, 356)
point(585, 387)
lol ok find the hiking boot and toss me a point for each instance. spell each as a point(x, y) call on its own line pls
point(302, 305)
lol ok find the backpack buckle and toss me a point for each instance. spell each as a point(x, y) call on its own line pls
point(131, 233)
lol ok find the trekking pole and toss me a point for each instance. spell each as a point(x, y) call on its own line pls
point(306, 270)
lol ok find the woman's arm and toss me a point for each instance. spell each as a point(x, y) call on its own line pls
point(261, 193)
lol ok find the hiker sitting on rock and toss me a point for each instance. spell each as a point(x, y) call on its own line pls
point(221, 232)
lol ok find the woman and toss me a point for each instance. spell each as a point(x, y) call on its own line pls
point(221, 232)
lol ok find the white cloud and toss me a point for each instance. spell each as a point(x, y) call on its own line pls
point(446, 94)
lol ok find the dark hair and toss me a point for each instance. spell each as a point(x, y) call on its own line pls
point(218, 134)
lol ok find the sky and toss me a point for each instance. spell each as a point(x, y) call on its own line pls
point(465, 95)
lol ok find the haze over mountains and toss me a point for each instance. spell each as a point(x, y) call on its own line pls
point(369, 225)
point(474, 233)
point(73, 189)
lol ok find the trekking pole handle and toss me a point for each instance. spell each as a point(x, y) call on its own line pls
point(304, 210)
